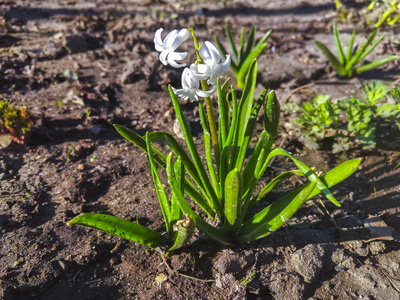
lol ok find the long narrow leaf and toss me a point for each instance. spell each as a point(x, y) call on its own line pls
point(160, 158)
point(245, 105)
point(232, 43)
point(164, 137)
point(351, 43)
point(161, 193)
point(307, 172)
point(121, 228)
point(330, 179)
point(356, 58)
point(370, 48)
point(215, 203)
point(275, 182)
point(376, 63)
point(209, 230)
point(233, 199)
point(207, 146)
point(250, 40)
point(338, 43)
point(274, 216)
point(331, 58)
point(176, 213)
point(257, 51)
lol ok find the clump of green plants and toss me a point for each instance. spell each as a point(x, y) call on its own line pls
point(350, 122)
point(382, 11)
point(222, 186)
point(350, 63)
point(14, 124)
point(243, 55)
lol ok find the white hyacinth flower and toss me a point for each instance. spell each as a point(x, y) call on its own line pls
point(212, 68)
point(167, 47)
point(191, 87)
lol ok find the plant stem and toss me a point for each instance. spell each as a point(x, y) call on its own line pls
point(209, 109)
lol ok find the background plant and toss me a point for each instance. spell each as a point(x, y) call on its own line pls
point(243, 56)
point(350, 121)
point(14, 123)
point(382, 11)
point(346, 64)
point(224, 185)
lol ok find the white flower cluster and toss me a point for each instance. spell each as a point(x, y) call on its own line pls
point(209, 70)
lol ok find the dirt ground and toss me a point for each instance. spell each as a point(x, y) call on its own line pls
point(81, 66)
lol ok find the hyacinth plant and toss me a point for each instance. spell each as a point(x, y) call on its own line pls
point(224, 185)
point(350, 63)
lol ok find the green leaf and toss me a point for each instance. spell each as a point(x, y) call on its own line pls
point(338, 43)
point(214, 201)
point(164, 137)
point(356, 58)
point(121, 228)
point(331, 58)
point(376, 63)
point(207, 146)
point(162, 195)
point(160, 158)
point(307, 172)
point(232, 43)
point(245, 64)
point(274, 216)
point(246, 102)
point(233, 199)
point(209, 230)
point(350, 50)
point(330, 179)
point(275, 182)
point(176, 213)
point(272, 115)
point(372, 47)
point(250, 41)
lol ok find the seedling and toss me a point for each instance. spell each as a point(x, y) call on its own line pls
point(348, 64)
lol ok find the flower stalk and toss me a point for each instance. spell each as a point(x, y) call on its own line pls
point(209, 109)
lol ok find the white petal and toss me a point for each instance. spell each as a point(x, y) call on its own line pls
point(200, 72)
point(204, 54)
point(182, 36)
point(158, 41)
point(170, 38)
point(176, 56)
point(215, 56)
point(206, 93)
point(226, 63)
point(163, 57)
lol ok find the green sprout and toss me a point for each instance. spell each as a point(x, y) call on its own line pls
point(243, 56)
point(348, 64)
point(224, 185)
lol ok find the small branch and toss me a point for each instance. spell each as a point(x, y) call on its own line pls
point(296, 90)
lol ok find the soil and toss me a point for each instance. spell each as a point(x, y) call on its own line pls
point(81, 66)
